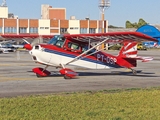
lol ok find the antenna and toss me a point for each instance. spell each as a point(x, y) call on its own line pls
point(4, 3)
point(103, 5)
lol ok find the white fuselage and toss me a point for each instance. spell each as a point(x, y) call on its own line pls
point(59, 59)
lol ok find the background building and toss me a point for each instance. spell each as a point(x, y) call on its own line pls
point(53, 21)
point(49, 26)
point(150, 30)
point(47, 12)
point(3, 12)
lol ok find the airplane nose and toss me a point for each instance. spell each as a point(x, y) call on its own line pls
point(30, 52)
point(28, 46)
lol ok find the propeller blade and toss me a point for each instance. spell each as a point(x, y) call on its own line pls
point(37, 41)
point(26, 41)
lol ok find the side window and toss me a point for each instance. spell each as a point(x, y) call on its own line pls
point(85, 48)
point(73, 46)
point(59, 43)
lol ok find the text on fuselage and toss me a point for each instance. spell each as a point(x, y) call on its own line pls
point(106, 59)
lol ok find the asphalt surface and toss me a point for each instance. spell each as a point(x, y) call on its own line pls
point(17, 78)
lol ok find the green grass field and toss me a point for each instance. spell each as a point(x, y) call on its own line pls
point(131, 104)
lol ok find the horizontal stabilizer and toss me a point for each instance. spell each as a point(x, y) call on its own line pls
point(144, 59)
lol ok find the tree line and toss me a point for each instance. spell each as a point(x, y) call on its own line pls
point(140, 23)
point(128, 24)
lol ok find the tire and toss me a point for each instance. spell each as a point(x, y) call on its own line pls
point(38, 76)
point(66, 77)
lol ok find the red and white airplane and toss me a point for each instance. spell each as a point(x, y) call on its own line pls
point(63, 51)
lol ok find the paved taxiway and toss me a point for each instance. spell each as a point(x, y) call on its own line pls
point(17, 79)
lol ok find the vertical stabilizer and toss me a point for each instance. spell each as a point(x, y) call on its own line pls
point(129, 50)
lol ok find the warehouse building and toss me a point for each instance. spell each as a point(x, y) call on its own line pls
point(152, 31)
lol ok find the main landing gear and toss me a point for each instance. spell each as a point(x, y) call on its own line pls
point(66, 72)
point(134, 72)
point(41, 72)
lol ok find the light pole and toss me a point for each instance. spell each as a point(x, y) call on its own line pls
point(4, 3)
point(103, 5)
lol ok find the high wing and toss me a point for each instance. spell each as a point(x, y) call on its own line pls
point(112, 37)
point(96, 37)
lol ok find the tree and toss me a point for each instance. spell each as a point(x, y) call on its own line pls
point(135, 25)
point(140, 23)
point(129, 24)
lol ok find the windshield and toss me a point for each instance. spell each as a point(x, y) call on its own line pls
point(57, 40)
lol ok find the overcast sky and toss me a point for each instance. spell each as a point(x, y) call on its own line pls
point(117, 14)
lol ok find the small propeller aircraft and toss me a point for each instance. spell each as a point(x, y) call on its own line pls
point(63, 51)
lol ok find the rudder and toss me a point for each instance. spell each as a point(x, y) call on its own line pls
point(128, 50)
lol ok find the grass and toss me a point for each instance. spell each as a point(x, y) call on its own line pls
point(139, 104)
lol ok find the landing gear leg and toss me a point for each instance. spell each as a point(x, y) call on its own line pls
point(40, 72)
point(45, 68)
point(134, 72)
point(67, 73)
point(38, 75)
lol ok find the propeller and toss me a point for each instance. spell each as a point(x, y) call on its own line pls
point(36, 41)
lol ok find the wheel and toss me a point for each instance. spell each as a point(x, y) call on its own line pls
point(134, 72)
point(38, 75)
point(66, 77)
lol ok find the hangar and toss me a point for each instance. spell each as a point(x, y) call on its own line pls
point(151, 31)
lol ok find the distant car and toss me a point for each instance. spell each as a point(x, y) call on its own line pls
point(140, 46)
point(18, 46)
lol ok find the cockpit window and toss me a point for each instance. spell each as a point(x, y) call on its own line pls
point(57, 40)
point(73, 46)
point(53, 40)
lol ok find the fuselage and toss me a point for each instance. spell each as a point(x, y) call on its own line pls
point(54, 56)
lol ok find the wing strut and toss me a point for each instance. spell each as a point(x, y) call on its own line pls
point(76, 58)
